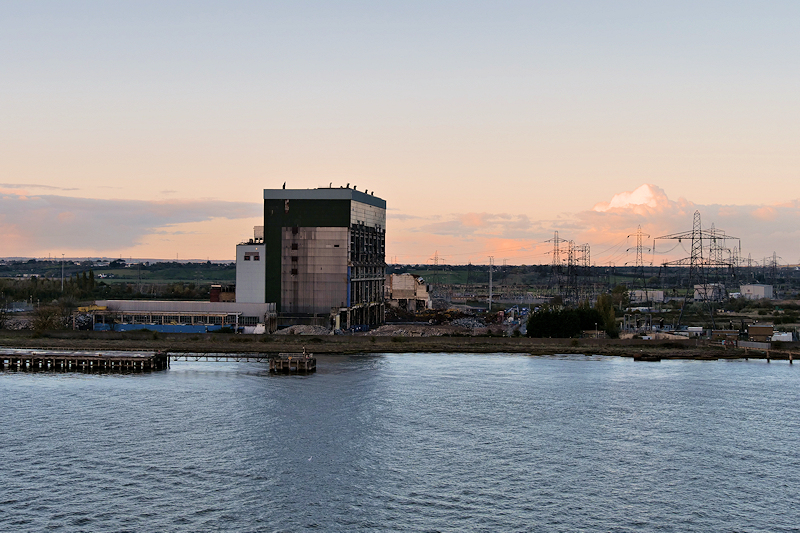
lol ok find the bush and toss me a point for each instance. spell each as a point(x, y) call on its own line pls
point(49, 317)
point(563, 323)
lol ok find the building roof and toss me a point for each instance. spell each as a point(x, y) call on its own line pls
point(341, 193)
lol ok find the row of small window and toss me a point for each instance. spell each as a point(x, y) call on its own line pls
point(252, 256)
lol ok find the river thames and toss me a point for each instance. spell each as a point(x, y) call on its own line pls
point(413, 442)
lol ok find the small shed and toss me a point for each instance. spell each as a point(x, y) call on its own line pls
point(760, 332)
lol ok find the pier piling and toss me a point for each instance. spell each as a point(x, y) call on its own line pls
point(83, 362)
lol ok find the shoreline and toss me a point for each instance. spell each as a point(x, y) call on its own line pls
point(694, 349)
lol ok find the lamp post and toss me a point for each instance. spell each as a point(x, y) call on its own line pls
point(62, 272)
point(596, 333)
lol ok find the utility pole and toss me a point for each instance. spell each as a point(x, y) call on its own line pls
point(491, 262)
point(62, 273)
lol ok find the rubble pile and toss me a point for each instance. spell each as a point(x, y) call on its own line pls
point(468, 322)
point(17, 324)
point(408, 331)
point(301, 329)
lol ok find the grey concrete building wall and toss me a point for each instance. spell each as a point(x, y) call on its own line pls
point(313, 269)
point(369, 215)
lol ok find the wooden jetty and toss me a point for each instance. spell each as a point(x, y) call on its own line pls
point(299, 363)
point(83, 361)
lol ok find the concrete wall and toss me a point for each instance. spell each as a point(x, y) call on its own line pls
point(250, 273)
point(369, 215)
point(314, 269)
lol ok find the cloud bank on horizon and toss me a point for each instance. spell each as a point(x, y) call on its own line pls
point(607, 227)
point(37, 225)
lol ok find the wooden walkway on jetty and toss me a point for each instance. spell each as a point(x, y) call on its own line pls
point(83, 361)
point(282, 363)
point(222, 357)
point(286, 363)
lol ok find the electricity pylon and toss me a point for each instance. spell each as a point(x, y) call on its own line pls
point(697, 265)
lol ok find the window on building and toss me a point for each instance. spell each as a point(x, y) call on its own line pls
point(294, 246)
point(247, 257)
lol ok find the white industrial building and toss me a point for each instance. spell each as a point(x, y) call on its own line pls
point(251, 281)
point(756, 291)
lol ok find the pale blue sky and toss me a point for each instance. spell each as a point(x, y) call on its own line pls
point(534, 109)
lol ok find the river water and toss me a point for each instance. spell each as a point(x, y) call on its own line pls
point(413, 442)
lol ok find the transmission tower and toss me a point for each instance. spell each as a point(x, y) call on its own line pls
point(436, 259)
point(639, 264)
point(695, 262)
point(572, 274)
point(491, 265)
point(583, 259)
point(556, 271)
point(733, 258)
point(773, 269)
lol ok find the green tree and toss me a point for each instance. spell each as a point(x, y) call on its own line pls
point(562, 323)
point(49, 317)
point(619, 295)
point(605, 309)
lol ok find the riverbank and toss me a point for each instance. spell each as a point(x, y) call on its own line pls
point(355, 344)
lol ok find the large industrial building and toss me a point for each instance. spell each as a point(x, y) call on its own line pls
point(320, 257)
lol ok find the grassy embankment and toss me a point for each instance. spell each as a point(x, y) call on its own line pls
point(351, 345)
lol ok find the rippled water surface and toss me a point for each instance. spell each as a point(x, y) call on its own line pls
point(405, 442)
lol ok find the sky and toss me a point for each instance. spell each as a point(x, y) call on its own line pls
point(150, 129)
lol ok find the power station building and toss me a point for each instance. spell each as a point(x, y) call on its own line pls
point(321, 257)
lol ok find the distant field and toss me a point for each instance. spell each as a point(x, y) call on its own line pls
point(179, 275)
point(202, 273)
